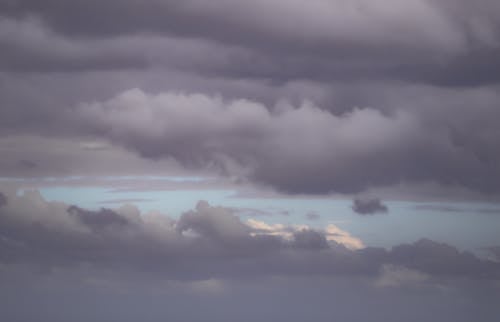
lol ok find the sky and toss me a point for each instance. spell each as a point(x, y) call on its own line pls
point(278, 160)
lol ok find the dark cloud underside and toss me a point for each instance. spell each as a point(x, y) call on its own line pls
point(400, 92)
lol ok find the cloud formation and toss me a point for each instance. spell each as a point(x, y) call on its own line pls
point(302, 149)
point(368, 206)
point(207, 242)
point(394, 93)
point(421, 41)
point(397, 99)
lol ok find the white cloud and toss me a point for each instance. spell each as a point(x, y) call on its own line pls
point(334, 233)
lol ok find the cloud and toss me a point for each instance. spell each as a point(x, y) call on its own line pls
point(3, 200)
point(60, 157)
point(436, 43)
point(246, 139)
point(29, 46)
point(309, 239)
point(368, 206)
point(495, 250)
point(340, 236)
point(204, 243)
point(98, 219)
point(393, 276)
point(420, 125)
point(386, 98)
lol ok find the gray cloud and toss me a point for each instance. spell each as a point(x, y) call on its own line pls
point(309, 239)
point(348, 61)
point(59, 157)
point(3, 200)
point(367, 206)
point(387, 98)
point(208, 242)
point(455, 152)
point(495, 250)
point(423, 41)
point(332, 153)
point(52, 253)
point(28, 46)
point(98, 219)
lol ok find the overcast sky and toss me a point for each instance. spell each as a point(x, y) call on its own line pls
point(349, 151)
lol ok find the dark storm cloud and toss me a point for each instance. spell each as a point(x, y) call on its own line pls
point(424, 41)
point(357, 60)
point(368, 206)
point(208, 242)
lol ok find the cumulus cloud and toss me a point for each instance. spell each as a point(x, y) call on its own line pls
point(340, 236)
point(63, 253)
point(347, 59)
point(207, 242)
point(366, 206)
point(387, 98)
point(345, 153)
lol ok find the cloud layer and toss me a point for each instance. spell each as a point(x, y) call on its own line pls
point(348, 97)
point(302, 149)
point(397, 99)
point(207, 242)
point(159, 266)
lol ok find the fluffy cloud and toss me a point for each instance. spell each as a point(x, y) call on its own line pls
point(208, 242)
point(159, 266)
point(296, 149)
point(340, 236)
point(417, 83)
point(388, 98)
